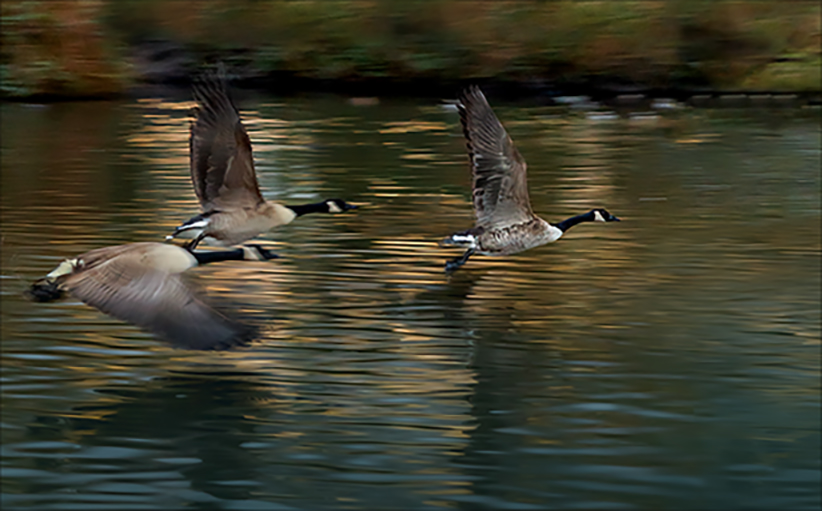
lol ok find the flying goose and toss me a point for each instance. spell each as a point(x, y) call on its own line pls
point(505, 223)
point(141, 283)
point(222, 172)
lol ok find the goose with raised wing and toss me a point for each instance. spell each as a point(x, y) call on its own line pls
point(142, 283)
point(505, 223)
point(223, 175)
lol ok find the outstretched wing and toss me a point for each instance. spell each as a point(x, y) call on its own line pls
point(158, 302)
point(222, 165)
point(500, 185)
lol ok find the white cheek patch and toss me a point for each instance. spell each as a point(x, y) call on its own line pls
point(64, 268)
point(598, 217)
point(333, 208)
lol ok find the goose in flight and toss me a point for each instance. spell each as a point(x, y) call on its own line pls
point(223, 175)
point(142, 283)
point(505, 223)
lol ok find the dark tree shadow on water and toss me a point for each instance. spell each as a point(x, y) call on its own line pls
point(194, 424)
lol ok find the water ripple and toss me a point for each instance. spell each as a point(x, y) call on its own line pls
point(669, 361)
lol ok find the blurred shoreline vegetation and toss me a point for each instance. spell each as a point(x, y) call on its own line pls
point(101, 48)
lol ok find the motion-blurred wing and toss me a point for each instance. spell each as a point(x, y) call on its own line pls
point(158, 302)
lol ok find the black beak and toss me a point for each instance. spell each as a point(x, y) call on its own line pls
point(615, 219)
point(349, 206)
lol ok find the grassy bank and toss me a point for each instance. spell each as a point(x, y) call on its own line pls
point(100, 47)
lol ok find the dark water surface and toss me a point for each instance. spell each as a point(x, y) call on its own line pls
point(671, 361)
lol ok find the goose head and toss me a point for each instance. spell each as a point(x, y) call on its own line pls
point(601, 215)
point(338, 206)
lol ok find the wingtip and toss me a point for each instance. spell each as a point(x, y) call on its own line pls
point(471, 98)
point(228, 327)
point(209, 82)
point(471, 92)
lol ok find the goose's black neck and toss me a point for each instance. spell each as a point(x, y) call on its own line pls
point(215, 256)
point(574, 220)
point(303, 209)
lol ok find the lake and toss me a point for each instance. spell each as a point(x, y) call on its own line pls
point(669, 361)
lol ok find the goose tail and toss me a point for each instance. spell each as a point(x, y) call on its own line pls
point(198, 222)
point(465, 239)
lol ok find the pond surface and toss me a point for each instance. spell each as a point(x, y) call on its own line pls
point(670, 361)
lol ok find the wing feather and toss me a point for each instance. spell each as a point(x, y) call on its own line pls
point(500, 184)
point(222, 163)
point(159, 302)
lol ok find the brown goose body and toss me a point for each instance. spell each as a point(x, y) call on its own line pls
point(514, 238)
point(224, 179)
point(142, 283)
point(505, 223)
point(236, 226)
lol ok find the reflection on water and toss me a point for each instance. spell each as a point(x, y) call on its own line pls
point(668, 362)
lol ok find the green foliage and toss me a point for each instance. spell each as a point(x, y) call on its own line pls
point(57, 48)
point(717, 43)
point(799, 73)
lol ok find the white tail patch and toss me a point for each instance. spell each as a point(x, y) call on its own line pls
point(200, 224)
point(192, 229)
point(186, 234)
point(462, 240)
point(252, 254)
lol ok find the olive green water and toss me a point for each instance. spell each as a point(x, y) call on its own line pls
point(670, 361)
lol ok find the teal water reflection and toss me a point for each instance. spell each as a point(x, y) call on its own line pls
point(667, 362)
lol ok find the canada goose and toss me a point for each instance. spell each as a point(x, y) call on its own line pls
point(222, 172)
point(142, 283)
point(505, 223)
